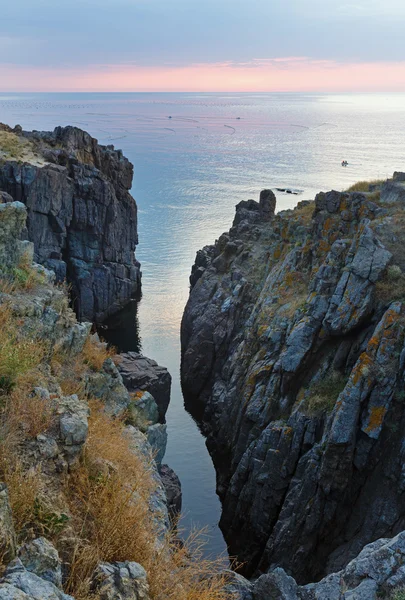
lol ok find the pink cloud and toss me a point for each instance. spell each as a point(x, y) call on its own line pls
point(262, 75)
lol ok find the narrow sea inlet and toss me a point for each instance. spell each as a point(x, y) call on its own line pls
point(195, 156)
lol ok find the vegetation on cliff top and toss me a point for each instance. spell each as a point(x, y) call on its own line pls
point(98, 510)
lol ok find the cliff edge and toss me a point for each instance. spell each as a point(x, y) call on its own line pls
point(81, 216)
point(293, 360)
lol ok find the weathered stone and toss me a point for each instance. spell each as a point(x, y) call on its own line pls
point(157, 438)
point(293, 362)
point(172, 486)
point(140, 373)
point(142, 410)
point(237, 587)
point(41, 558)
point(120, 581)
point(276, 585)
point(107, 385)
point(73, 425)
point(82, 218)
point(18, 579)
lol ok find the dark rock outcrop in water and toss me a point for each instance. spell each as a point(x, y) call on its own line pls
point(81, 216)
point(141, 373)
point(293, 357)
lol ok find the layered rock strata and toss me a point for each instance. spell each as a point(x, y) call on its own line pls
point(293, 360)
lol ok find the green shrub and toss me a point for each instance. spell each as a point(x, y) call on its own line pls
point(18, 354)
point(398, 594)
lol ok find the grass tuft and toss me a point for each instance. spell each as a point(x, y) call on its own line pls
point(323, 394)
point(364, 186)
point(109, 502)
point(21, 277)
point(96, 353)
point(18, 354)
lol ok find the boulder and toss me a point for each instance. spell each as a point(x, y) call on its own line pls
point(172, 486)
point(41, 557)
point(120, 581)
point(140, 373)
point(20, 584)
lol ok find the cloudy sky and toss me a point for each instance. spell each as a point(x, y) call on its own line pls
point(207, 45)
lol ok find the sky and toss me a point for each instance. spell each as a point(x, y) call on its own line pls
point(202, 45)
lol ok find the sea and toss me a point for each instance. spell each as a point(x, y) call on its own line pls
point(195, 156)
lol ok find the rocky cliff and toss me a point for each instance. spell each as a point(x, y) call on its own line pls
point(81, 216)
point(85, 504)
point(293, 360)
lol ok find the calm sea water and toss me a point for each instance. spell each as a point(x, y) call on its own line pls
point(195, 157)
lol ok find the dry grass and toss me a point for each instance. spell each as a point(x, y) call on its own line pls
point(100, 511)
point(96, 353)
point(26, 412)
point(364, 186)
point(69, 371)
point(305, 212)
point(18, 148)
point(392, 285)
point(109, 501)
point(21, 277)
point(12, 146)
point(24, 486)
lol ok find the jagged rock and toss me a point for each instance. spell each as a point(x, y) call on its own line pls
point(82, 219)
point(292, 360)
point(7, 533)
point(393, 190)
point(237, 587)
point(108, 386)
point(142, 411)
point(140, 373)
point(20, 584)
point(12, 221)
point(45, 314)
point(73, 425)
point(375, 572)
point(277, 585)
point(157, 438)
point(121, 581)
point(139, 444)
point(172, 486)
point(41, 558)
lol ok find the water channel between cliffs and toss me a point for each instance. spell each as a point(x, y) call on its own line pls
point(219, 149)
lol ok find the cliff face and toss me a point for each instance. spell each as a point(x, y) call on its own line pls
point(293, 359)
point(79, 454)
point(81, 216)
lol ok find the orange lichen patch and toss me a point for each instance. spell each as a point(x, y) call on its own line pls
point(288, 431)
point(373, 343)
point(376, 418)
point(343, 204)
point(328, 224)
point(137, 395)
point(323, 246)
point(361, 368)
